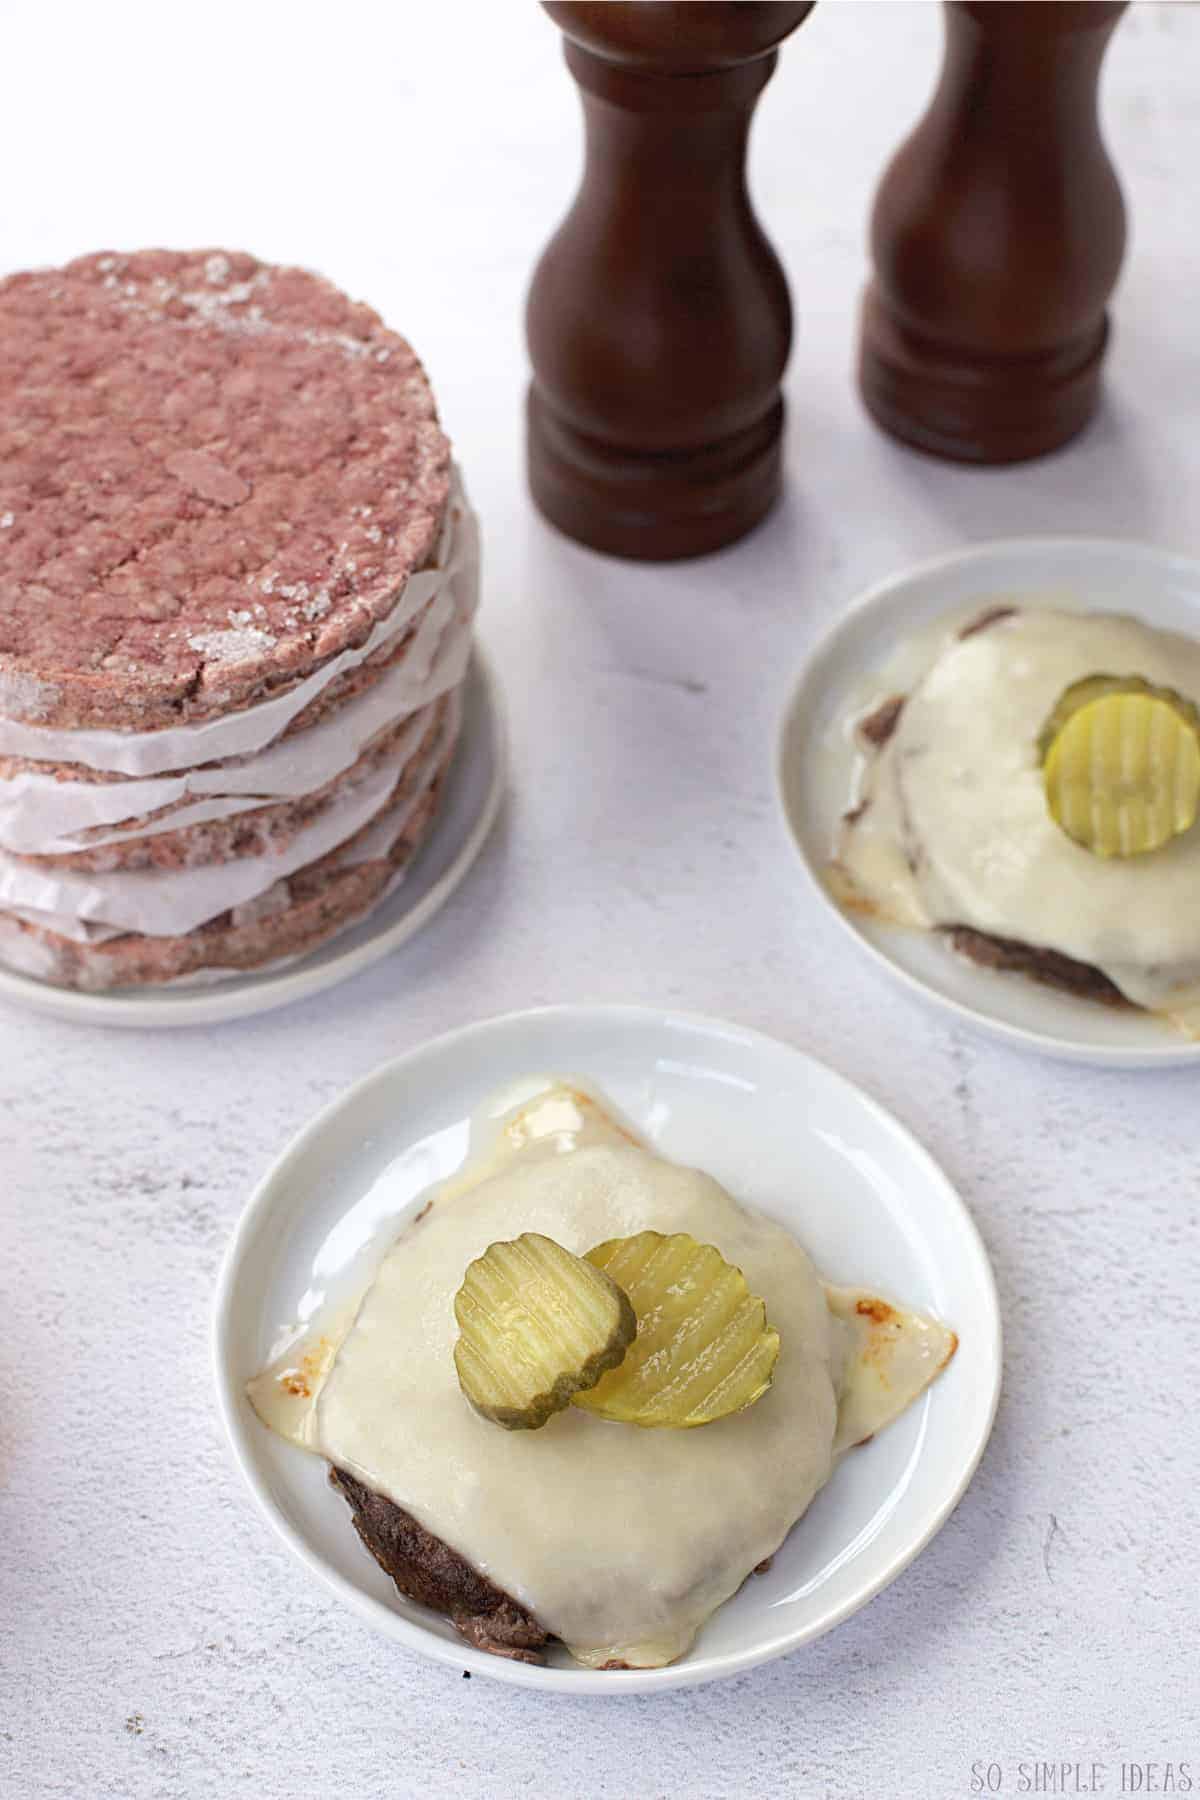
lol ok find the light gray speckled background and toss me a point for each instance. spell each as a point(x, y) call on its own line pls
point(156, 1640)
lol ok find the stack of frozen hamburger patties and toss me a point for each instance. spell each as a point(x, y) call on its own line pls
point(237, 580)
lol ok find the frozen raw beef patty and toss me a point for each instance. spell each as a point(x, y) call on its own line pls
point(238, 574)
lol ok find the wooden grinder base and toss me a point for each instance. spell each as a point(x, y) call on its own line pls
point(658, 507)
point(971, 410)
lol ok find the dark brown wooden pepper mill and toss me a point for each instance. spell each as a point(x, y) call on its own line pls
point(997, 237)
point(659, 320)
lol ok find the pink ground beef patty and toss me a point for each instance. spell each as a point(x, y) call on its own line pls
point(215, 475)
point(255, 831)
point(339, 692)
point(302, 912)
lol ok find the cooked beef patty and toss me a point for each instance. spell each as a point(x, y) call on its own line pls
point(1049, 967)
point(878, 726)
point(429, 1571)
point(992, 616)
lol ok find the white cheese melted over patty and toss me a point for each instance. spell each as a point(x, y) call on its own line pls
point(956, 830)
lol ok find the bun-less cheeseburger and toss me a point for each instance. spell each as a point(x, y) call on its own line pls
point(237, 580)
point(1034, 796)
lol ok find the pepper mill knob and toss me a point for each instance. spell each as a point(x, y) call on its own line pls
point(658, 317)
point(997, 237)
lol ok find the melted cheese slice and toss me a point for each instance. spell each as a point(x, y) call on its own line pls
point(621, 1541)
point(956, 830)
point(889, 1356)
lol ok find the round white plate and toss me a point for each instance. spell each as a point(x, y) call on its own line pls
point(814, 764)
point(783, 1133)
point(467, 812)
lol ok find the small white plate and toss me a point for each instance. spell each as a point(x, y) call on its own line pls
point(813, 769)
point(783, 1133)
point(471, 799)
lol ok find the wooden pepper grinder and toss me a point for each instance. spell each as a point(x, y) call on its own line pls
point(659, 320)
point(997, 236)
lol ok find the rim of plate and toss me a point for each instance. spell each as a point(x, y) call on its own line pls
point(1174, 1052)
point(249, 993)
point(689, 1672)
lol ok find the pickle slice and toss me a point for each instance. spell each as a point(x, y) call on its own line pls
point(1098, 687)
point(703, 1348)
point(1122, 775)
point(537, 1326)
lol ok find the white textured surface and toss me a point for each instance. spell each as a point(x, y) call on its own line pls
point(156, 1641)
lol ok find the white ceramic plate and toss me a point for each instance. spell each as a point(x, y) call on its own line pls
point(813, 769)
point(783, 1133)
point(469, 805)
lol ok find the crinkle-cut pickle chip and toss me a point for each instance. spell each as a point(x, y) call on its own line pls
point(1098, 687)
point(537, 1326)
point(703, 1348)
point(1122, 772)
